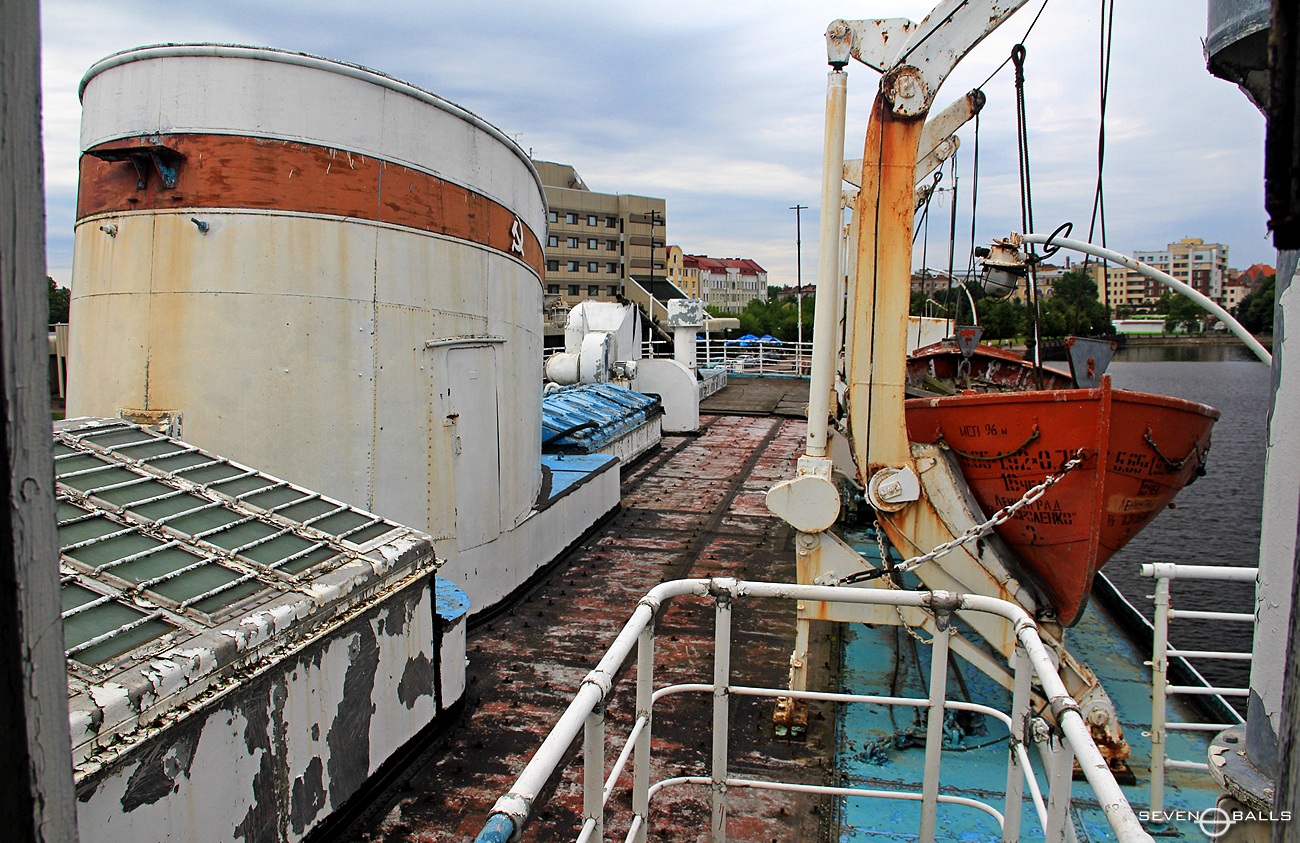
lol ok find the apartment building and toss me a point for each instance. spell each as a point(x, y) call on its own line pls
point(724, 284)
point(596, 243)
point(1202, 266)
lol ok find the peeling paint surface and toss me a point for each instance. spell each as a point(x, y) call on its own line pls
point(279, 751)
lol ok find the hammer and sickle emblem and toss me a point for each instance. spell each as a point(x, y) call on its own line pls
point(517, 237)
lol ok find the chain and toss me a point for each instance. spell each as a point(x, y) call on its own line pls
point(979, 530)
point(887, 567)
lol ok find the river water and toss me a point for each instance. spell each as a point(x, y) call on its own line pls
point(1216, 520)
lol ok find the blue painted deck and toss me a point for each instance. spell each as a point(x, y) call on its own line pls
point(568, 470)
point(882, 747)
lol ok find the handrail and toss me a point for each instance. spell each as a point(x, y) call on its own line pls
point(1161, 651)
point(787, 359)
point(511, 811)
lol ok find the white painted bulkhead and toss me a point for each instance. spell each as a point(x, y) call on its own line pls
point(323, 346)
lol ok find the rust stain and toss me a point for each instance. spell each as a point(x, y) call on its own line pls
point(687, 511)
point(224, 172)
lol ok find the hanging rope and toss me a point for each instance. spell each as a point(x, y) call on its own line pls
point(1018, 54)
point(1005, 61)
point(952, 228)
point(974, 206)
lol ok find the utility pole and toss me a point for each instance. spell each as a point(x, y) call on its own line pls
point(653, 215)
point(798, 271)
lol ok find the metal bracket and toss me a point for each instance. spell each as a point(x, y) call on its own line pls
point(144, 157)
point(917, 58)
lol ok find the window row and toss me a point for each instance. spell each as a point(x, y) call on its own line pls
point(574, 218)
point(553, 241)
point(592, 289)
point(611, 267)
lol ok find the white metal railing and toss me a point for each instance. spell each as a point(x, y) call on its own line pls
point(1032, 659)
point(790, 358)
point(1161, 651)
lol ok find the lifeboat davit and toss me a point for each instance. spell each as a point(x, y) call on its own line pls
point(1139, 450)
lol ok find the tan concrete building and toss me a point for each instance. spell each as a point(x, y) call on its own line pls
point(1202, 266)
point(599, 245)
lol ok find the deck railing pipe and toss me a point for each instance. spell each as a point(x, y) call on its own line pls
point(1174, 571)
point(1206, 303)
point(829, 289)
point(517, 805)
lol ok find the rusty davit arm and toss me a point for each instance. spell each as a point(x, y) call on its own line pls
point(915, 60)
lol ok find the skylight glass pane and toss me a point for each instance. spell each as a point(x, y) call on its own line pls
point(234, 488)
point(128, 495)
point(272, 498)
point(210, 473)
point(208, 519)
point(91, 528)
point(340, 523)
point(371, 532)
point(117, 436)
point(110, 476)
point(94, 622)
point(152, 448)
point(282, 548)
point(168, 506)
point(155, 565)
point(201, 581)
point(111, 550)
point(308, 509)
point(179, 461)
point(241, 535)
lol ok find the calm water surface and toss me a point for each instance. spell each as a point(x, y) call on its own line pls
point(1216, 519)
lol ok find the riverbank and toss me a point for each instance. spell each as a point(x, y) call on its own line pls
point(1153, 340)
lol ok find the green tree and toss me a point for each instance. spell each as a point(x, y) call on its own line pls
point(1002, 318)
point(1074, 308)
point(1183, 313)
point(1255, 312)
point(60, 297)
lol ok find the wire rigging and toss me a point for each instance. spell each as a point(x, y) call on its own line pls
point(1099, 200)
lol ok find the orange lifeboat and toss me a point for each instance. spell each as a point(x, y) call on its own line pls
point(1139, 450)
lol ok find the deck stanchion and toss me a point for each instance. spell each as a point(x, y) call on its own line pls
point(1059, 760)
point(1159, 689)
point(934, 727)
point(1019, 723)
point(645, 661)
point(721, 704)
point(593, 773)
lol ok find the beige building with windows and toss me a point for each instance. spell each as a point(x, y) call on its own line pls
point(724, 284)
point(1202, 266)
point(599, 245)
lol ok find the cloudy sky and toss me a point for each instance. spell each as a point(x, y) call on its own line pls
point(717, 107)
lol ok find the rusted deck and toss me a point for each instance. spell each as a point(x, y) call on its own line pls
point(760, 396)
point(694, 508)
